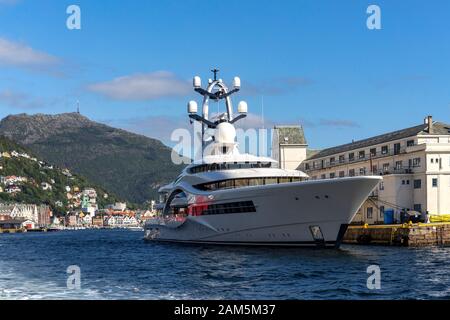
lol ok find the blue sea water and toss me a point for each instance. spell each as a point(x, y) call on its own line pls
point(118, 264)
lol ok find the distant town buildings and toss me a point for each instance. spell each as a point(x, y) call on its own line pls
point(33, 215)
point(89, 201)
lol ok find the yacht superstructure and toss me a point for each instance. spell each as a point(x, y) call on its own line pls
point(226, 197)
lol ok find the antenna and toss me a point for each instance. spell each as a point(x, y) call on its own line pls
point(262, 111)
point(78, 106)
point(215, 71)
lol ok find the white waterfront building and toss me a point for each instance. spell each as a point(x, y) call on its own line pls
point(289, 146)
point(414, 163)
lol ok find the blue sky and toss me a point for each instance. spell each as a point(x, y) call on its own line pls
point(314, 62)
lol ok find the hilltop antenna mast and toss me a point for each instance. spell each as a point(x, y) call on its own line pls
point(78, 106)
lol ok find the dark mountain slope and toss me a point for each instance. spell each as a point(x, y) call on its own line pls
point(131, 165)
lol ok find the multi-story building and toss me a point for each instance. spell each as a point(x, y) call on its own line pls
point(89, 201)
point(39, 214)
point(414, 163)
point(289, 146)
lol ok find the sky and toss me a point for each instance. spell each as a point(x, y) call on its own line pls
point(313, 63)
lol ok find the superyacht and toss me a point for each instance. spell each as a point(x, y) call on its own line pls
point(226, 197)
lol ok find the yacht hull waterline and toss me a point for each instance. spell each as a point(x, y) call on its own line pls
point(308, 213)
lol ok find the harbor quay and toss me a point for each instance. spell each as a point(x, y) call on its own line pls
point(407, 235)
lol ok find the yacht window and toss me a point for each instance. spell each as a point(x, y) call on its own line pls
point(241, 183)
point(255, 182)
point(271, 181)
point(231, 207)
point(238, 183)
point(229, 166)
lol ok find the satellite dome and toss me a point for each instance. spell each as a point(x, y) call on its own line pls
point(225, 133)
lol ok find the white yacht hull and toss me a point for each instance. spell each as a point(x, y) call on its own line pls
point(285, 214)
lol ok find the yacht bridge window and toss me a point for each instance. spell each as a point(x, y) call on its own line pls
point(229, 166)
point(246, 182)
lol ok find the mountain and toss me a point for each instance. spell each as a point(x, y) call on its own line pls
point(30, 180)
point(130, 165)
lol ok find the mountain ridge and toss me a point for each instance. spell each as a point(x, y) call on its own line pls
point(131, 165)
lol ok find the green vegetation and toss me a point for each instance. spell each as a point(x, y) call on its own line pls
point(31, 190)
point(130, 165)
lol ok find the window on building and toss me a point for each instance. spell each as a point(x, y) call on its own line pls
point(322, 162)
point(323, 176)
point(332, 175)
point(385, 167)
point(417, 183)
point(351, 172)
point(306, 166)
point(369, 212)
point(397, 148)
point(432, 160)
point(381, 185)
point(403, 182)
point(418, 207)
point(351, 156)
point(362, 154)
point(362, 171)
point(398, 165)
point(341, 159)
point(373, 152)
point(416, 162)
point(341, 174)
point(434, 182)
point(410, 143)
point(374, 169)
point(381, 212)
point(332, 160)
point(384, 150)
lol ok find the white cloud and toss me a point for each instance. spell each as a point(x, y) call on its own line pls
point(20, 100)
point(142, 86)
point(20, 55)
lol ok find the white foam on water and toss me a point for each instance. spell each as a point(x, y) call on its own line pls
point(15, 286)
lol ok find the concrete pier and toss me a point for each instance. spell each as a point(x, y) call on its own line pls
point(12, 230)
point(409, 235)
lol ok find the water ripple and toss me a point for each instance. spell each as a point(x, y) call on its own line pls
point(118, 264)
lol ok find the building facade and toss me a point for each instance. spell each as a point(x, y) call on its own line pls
point(414, 163)
point(39, 214)
point(289, 146)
